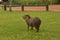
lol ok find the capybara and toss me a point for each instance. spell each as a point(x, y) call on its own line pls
point(33, 22)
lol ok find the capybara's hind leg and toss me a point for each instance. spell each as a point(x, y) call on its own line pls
point(37, 28)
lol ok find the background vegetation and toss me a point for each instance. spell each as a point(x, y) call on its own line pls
point(34, 2)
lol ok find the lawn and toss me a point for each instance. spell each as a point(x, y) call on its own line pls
point(13, 27)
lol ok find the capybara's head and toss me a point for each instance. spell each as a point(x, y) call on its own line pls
point(25, 17)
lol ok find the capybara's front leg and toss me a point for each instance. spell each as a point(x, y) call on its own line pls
point(31, 28)
point(28, 27)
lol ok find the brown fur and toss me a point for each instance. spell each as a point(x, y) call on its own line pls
point(33, 22)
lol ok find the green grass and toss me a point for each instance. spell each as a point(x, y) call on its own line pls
point(13, 27)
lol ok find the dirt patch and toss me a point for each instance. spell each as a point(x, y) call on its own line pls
point(33, 8)
point(54, 7)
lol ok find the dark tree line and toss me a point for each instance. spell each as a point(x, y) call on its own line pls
point(58, 1)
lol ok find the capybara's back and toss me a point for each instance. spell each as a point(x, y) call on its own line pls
point(36, 21)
